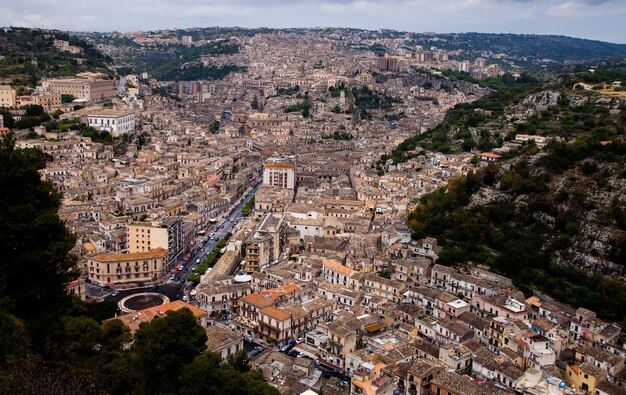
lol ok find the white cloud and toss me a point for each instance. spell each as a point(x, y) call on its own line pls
point(603, 19)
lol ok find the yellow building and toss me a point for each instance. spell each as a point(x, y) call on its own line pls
point(498, 336)
point(127, 268)
point(584, 377)
point(7, 96)
point(166, 233)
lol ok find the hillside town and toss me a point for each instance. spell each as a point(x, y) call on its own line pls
point(259, 201)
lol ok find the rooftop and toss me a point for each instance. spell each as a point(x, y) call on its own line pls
point(146, 315)
point(108, 257)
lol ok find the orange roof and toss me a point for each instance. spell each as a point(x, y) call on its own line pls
point(490, 155)
point(275, 313)
point(108, 257)
point(279, 165)
point(269, 297)
point(575, 368)
point(211, 179)
point(147, 315)
point(338, 267)
point(366, 384)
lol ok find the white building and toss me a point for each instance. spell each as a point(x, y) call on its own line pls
point(280, 173)
point(335, 273)
point(116, 122)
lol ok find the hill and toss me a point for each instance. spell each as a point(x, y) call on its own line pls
point(526, 49)
point(27, 55)
point(551, 218)
point(164, 57)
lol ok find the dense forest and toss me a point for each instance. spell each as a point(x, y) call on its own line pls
point(54, 343)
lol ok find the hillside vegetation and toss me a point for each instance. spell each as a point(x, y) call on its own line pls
point(526, 48)
point(27, 55)
point(553, 219)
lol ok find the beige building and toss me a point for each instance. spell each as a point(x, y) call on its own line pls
point(166, 233)
point(263, 249)
point(342, 340)
point(87, 89)
point(127, 268)
point(274, 324)
point(48, 100)
point(7, 96)
point(223, 341)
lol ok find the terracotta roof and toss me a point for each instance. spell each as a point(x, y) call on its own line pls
point(490, 155)
point(338, 267)
point(275, 313)
point(108, 257)
point(269, 297)
point(147, 315)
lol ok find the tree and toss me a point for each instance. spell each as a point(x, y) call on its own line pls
point(255, 103)
point(34, 110)
point(205, 375)
point(13, 337)
point(241, 362)
point(9, 122)
point(66, 98)
point(215, 126)
point(163, 346)
point(37, 263)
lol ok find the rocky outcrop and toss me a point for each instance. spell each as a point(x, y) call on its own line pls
point(539, 102)
point(441, 83)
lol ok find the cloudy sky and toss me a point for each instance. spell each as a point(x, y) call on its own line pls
point(594, 19)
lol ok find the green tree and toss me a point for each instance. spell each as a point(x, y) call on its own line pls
point(37, 263)
point(163, 346)
point(13, 338)
point(82, 337)
point(255, 103)
point(241, 362)
point(66, 98)
point(205, 375)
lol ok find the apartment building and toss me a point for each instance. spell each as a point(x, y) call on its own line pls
point(280, 173)
point(165, 232)
point(48, 100)
point(109, 268)
point(266, 244)
point(116, 122)
point(336, 273)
